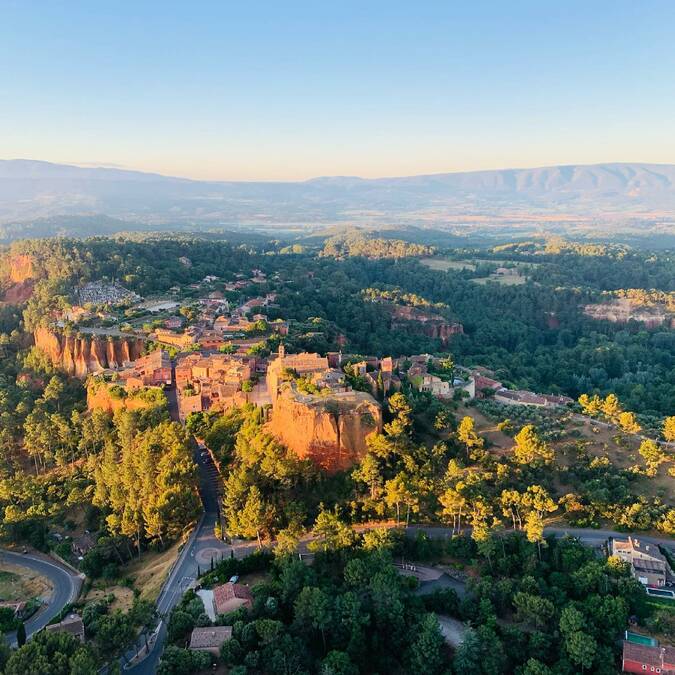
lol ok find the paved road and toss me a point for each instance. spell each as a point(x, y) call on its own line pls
point(198, 551)
point(588, 536)
point(66, 587)
point(202, 546)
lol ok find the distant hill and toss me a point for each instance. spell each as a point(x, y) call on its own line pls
point(640, 195)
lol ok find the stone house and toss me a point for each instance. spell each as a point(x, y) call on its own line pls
point(648, 564)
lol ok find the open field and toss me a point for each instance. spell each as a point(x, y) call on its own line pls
point(443, 264)
point(124, 596)
point(146, 575)
point(21, 584)
point(505, 280)
point(149, 573)
point(516, 263)
point(597, 441)
point(488, 429)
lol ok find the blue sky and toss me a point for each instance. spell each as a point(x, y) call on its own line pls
point(290, 90)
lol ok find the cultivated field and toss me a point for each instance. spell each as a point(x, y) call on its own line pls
point(505, 280)
point(443, 264)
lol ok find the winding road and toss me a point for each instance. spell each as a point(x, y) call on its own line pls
point(66, 587)
point(196, 555)
point(202, 545)
point(589, 537)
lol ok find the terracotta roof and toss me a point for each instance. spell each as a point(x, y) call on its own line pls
point(211, 636)
point(483, 382)
point(227, 592)
point(651, 656)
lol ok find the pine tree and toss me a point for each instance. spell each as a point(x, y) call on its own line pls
point(21, 635)
point(530, 449)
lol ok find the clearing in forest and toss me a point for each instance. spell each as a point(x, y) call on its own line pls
point(21, 584)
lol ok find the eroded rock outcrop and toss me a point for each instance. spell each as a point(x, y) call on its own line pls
point(80, 355)
point(20, 268)
point(425, 323)
point(331, 430)
point(17, 279)
point(111, 397)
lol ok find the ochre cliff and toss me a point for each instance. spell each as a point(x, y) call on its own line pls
point(16, 279)
point(110, 398)
point(81, 355)
point(330, 430)
point(424, 323)
point(20, 268)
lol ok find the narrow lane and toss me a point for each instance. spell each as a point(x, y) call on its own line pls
point(66, 588)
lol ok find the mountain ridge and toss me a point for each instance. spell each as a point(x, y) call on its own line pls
point(69, 170)
point(616, 191)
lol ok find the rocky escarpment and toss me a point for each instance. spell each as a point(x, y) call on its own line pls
point(330, 430)
point(424, 323)
point(17, 279)
point(110, 397)
point(21, 268)
point(80, 355)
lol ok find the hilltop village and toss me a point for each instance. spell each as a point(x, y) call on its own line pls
point(248, 447)
point(212, 356)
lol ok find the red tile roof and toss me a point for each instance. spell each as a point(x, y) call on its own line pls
point(227, 592)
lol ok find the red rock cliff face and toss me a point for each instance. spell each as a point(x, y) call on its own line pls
point(424, 323)
point(16, 277)
point(331, 431)
point(20, 268)
point(80, 356)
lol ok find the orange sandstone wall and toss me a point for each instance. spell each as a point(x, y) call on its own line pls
point(80, 356)
point(99, 398)
point(20, 268)
point(16, 279)
point(334, 440)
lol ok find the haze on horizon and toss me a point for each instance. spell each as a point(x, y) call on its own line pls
point(289, 92)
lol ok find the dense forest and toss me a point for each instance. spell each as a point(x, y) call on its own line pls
point(533, 336)
point(351, 612)
point(62, 467)
point(357, 244)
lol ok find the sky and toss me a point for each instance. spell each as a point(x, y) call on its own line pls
point(292, 90)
